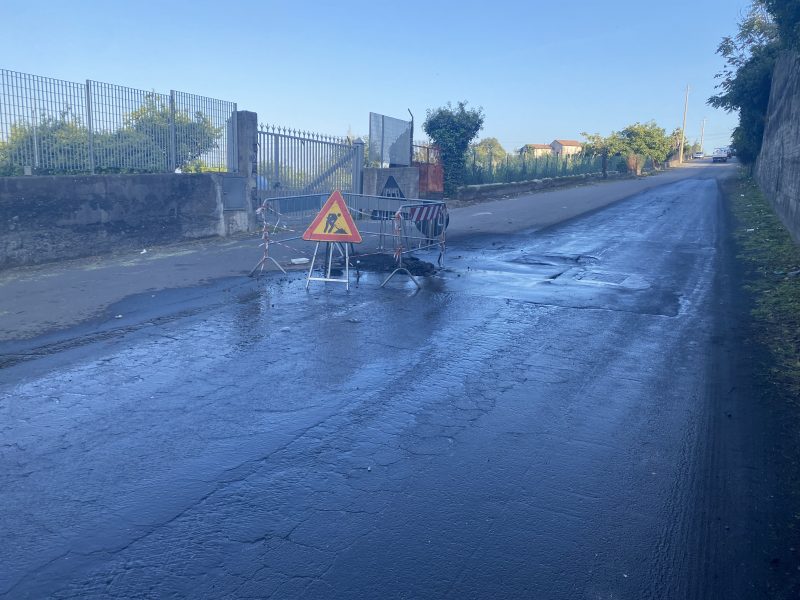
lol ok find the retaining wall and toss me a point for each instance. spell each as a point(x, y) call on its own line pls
point(778, 165)
point(44, 219)
point(492, 190)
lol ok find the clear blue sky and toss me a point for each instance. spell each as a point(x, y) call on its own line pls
point(540, 69)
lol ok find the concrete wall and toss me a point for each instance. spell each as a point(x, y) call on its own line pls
point(44, 219)
point(52, 218)
point(778, 165)
point(407, 179)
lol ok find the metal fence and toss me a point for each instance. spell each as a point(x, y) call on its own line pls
point(513, 168)
point(426, 154)
point(55, 127)
point(292, 162)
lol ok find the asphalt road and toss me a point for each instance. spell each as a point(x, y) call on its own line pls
point(538, 421)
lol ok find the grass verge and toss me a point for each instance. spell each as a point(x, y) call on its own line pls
point(772, 263)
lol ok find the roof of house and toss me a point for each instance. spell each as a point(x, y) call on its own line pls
point(568, 142)
point(538, 146)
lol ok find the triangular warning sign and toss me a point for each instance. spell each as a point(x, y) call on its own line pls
point(333, 223)
point(391, 189)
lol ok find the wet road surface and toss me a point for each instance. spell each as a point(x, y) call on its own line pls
point(528, 425)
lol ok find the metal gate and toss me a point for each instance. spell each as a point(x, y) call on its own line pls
point(294, 163)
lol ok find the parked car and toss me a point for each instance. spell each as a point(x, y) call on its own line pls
point(698, 155)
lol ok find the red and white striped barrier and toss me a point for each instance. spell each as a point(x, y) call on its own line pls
point(424, 212)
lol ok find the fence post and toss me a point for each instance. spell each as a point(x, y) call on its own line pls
point(383, 131)
point(275, 158)
point(247, 160)
point(232, 153)
point(358, 166)
point(89, 127)
point(172, 142)
point(34, 121)
point(411, 142)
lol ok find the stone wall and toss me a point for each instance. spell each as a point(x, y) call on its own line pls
point(778, 165)
point(44, 219)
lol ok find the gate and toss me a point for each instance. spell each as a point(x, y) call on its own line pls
point(296, 163)
point(431, 174)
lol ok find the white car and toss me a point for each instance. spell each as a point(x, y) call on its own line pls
point(720, 155)
point(698, 155)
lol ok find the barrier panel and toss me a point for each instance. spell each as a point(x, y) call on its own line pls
point(389, 226)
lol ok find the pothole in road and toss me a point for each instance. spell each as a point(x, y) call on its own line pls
point(626, 281)
point(385, 263)
point(555, 260)
point(600, 277)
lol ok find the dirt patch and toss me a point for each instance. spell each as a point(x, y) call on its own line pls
point(385, 263)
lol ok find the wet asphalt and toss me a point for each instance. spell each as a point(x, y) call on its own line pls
point(528, 425)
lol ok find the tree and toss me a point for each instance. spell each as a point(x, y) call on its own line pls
point(60, 145)
point(596, 144)
point(636, 142)
point(675, 144)
point(646, 140)
point(487, 152)
point(786, 14)
point(150, 124)
point(746, 80)
point(49, 145)
point(452, 129)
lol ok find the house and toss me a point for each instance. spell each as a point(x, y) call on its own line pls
point(536, 150)
point(566, 147)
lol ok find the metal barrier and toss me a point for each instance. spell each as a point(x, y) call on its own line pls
point(389, 226)
point(54, 127)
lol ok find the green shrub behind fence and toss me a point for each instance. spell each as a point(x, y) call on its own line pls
point(521, 167)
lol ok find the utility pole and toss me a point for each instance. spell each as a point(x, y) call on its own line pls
point(702, 134)
point(683, 129)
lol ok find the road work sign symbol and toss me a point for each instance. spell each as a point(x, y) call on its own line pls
point(333, 223)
